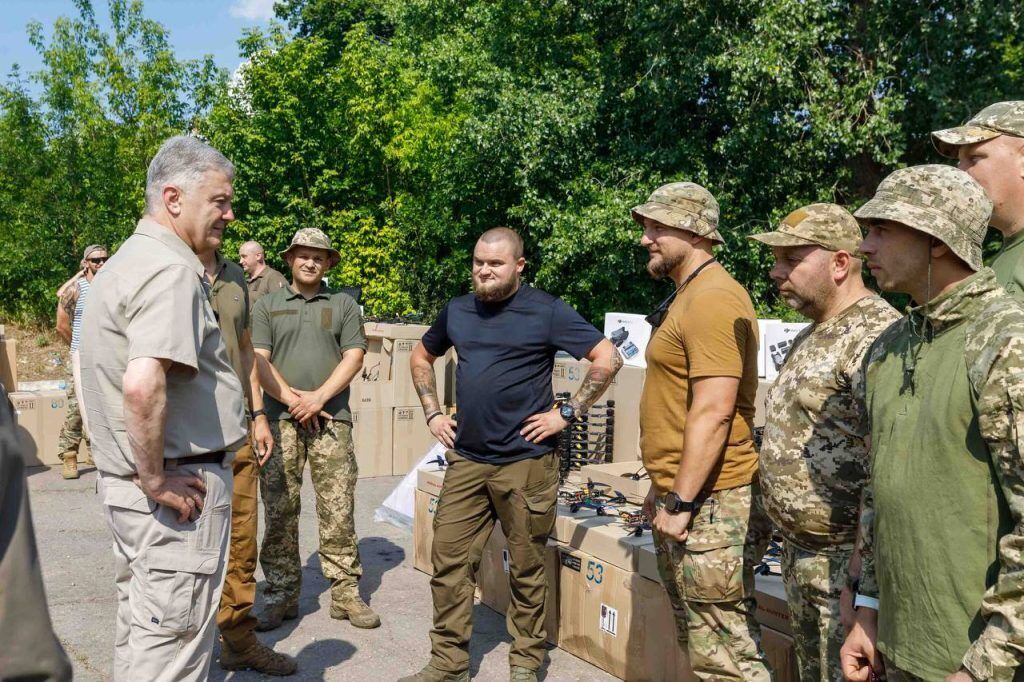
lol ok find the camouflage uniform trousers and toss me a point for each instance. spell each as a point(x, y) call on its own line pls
point(71, 435)
point(710, 582)
point(813, 584)
point(332, 465)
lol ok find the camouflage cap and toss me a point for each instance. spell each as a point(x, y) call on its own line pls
point(1001, 118)
point(315, 239)
point(829, 226)
point(942, 201)
point(684, 206)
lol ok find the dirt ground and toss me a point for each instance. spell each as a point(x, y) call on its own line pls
point(42, 354)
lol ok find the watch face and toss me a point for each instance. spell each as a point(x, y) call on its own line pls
point(567, 412)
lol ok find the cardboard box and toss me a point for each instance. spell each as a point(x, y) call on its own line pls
point(372, 436)
point(389, 330)
point(647, 564)
point(405, 393)
point(430, 480)
point(617, 620)
point(493, 580)
point(778, 338)
point(423, 531)
point(606, 537)
point(565, 521)
point(772, 607)
point(761, 347)
point(411, 439)
point(781, 653)
point(618, 477)
point(372, 395)
point(630, 334)
point(9, 364)
point(40, 416)
point(377, 360)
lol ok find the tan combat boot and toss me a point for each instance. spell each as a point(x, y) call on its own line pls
point(275, 614)
point(518, 673)
point(70, 469)
point(432, 674)
point(352, 608)
point(87, 459)
point(258, 657)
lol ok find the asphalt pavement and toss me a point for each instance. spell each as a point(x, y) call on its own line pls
point(74, 546)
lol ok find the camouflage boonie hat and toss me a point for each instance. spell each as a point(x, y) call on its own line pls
point(829, 226)
point(684, 206)
point(942, 201)
point(315, 239)
point(1002, 118)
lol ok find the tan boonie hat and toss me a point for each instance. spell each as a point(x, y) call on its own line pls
point(315, 239)
point(1002, 118)
point(829, 226)
point(942, 201)
point(684, 206)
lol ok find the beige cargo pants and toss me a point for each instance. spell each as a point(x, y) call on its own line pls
point(168, 576)
point(522, 496)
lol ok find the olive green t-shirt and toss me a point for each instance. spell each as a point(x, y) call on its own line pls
point(306, 339)
point(268, 281)
point(229, 298)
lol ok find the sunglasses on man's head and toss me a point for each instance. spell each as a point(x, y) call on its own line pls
point(97, 261)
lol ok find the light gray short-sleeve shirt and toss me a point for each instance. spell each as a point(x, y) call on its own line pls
point(152, 301)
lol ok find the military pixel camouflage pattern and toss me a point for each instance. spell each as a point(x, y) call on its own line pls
point(314, 238)
point(827, 225)
point(813, 584)
point(1001, 118)
point(71, 432)
point(710, 583)
point(332, 464)
point(684, 206)
point(942, 201)
point(814, 459)
point(992, 328)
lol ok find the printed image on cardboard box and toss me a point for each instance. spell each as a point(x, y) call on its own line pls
point(778, 339)
point(630, 334)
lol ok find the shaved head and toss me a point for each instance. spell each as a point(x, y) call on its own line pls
point(504, 234)
point(251, 248)
point(250, 257)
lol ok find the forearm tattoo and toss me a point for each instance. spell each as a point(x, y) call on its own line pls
point(426, 388)
point(595, 383)
point(68, 301)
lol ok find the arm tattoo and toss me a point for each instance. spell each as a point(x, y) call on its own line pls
point(597, 380)
point(68, 301)
point(426, 387)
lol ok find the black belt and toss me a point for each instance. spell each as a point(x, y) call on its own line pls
point(206, 458)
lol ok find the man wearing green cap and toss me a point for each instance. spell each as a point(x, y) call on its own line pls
point(309, 344)
point(990, 148)
point(942, 541)
point(696, 437)
point(814, 455)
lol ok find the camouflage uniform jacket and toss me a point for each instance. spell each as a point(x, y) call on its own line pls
point(814, 459)
point(1008, 265)
point(943, 515)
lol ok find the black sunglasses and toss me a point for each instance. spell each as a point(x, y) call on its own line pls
point(97, 261)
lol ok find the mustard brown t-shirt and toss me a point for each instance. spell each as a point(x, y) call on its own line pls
point(710, 330)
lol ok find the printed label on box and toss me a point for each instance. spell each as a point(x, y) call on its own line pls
point(405, 345)
point(404, 414)
point(609, 620)
point(504, 559)
point(573, 562)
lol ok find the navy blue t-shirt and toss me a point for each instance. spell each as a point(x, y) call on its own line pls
point(506, 354)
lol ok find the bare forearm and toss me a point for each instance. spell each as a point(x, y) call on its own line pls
point(704, 440)
point(425, 381)
point(351, 364)
point(598, 378)
point(271, 380)
point(145, 416)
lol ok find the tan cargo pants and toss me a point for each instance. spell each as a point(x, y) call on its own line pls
point(710, 582)
point(522, 496)
point(234, 618)
point(168, 578)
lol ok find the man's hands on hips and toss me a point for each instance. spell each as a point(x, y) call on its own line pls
point(859, 657)
point(674, 526)
point(262, 439)
point(182, 491)
point(443, 429)
point(544, 425)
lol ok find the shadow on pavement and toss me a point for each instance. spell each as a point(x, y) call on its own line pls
point(314, 660)
point(378, 556)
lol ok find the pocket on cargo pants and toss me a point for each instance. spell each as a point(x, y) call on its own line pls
point(176, 580)
point(539, 500)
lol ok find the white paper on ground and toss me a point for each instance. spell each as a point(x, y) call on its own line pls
point(398, 508)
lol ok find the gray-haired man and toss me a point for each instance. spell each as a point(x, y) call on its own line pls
point(166, 413)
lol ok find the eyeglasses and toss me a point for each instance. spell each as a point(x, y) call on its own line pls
point(97, 261)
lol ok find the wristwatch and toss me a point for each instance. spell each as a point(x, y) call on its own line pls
point(568, 413)
point(675, 504)
point(257, 413)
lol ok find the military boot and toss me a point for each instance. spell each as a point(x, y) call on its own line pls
point(520, 674)
point(432, 674)
point(87, 459)
point(258, 657)
point(274, 614)
point(352, 608)
point(70, 468)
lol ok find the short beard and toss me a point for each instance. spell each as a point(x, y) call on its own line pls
point(496, 292)
point(663, 266)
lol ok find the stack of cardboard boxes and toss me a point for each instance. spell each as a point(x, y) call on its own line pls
point(8, 361)
point(389, 431)
point(39, 413)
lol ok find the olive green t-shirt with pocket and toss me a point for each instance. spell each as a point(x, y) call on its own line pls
point(306, 338)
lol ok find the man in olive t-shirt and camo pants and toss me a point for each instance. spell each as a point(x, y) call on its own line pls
point(309, 344)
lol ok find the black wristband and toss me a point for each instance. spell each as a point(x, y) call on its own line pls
point(434, 414)
point(257, 413)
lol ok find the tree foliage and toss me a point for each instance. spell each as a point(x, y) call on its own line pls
point(404, 128)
